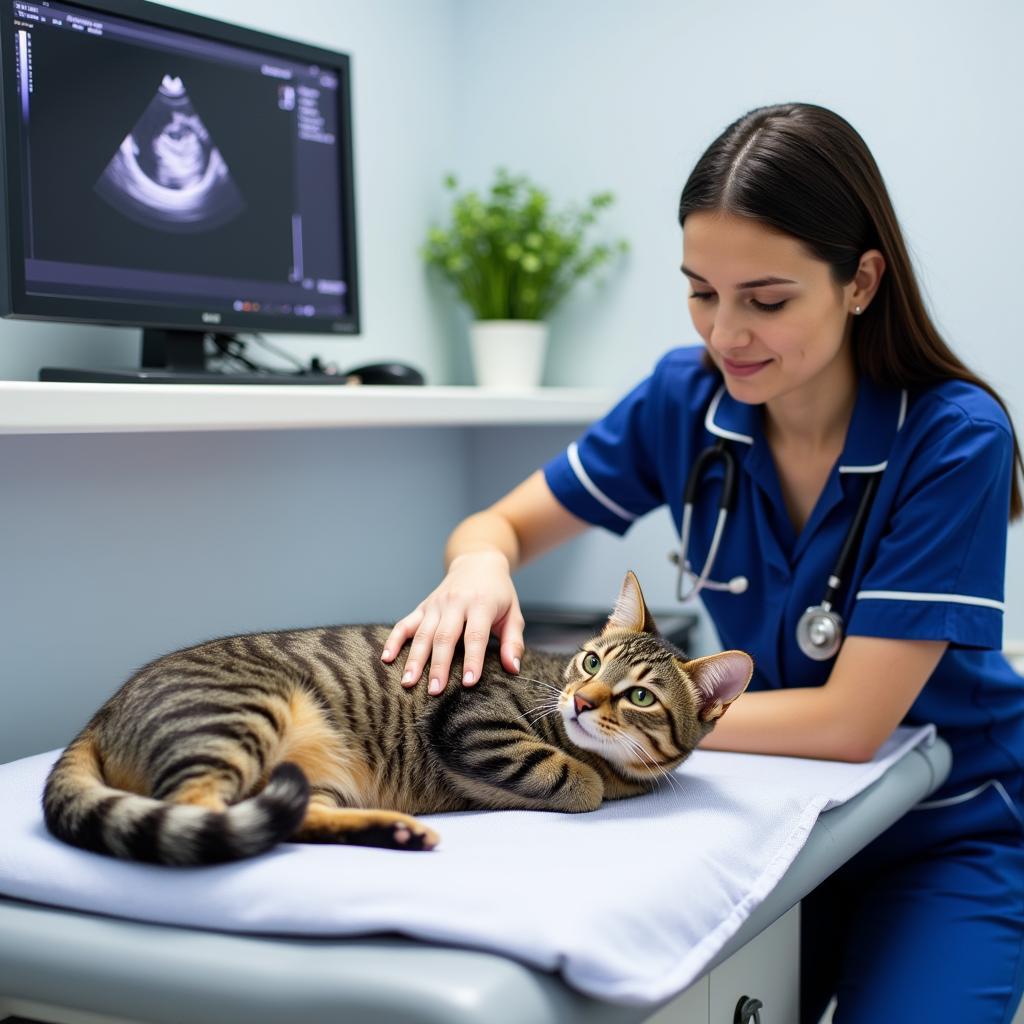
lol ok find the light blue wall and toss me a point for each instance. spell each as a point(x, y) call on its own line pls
point(116, 548)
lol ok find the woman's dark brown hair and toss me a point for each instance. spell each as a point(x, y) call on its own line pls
point(803, 170)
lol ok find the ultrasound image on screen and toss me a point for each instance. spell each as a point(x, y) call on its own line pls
point(160, 162)
point(168, 173)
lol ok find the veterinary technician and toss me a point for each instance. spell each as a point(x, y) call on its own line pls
point(870, 479)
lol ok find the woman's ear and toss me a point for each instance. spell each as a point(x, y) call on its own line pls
point(866, 280)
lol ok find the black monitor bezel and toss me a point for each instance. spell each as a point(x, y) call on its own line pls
point(17, 303)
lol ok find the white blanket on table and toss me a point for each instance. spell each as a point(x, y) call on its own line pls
point(630, 902)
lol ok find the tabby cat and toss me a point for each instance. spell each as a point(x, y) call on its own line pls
point(222, 750)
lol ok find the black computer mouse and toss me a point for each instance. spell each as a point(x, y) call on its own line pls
point(384, 373)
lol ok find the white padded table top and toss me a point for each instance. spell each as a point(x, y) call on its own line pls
point(629, 903)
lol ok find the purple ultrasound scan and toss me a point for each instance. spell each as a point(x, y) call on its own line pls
point(167, 173)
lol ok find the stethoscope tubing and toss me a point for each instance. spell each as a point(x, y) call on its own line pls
point(852, 538)
point(718, 452)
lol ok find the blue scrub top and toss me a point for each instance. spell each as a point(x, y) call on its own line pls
point(930, 565)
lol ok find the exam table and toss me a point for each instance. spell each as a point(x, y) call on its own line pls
point(68, 967)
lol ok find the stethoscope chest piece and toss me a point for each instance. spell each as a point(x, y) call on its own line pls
point(819, 632)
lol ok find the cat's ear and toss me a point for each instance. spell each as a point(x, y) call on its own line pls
point(721, 678)
point(630, 611)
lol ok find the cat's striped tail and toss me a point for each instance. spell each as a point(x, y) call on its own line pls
point(80, 808)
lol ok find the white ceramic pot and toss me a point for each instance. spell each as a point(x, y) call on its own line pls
point(508, 353)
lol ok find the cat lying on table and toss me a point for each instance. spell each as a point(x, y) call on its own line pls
point(220, 751)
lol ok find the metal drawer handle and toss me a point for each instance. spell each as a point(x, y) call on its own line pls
point(748, 1011)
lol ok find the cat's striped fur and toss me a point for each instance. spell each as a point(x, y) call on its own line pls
point(222, 750)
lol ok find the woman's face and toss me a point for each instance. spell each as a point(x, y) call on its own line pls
point(772, 317)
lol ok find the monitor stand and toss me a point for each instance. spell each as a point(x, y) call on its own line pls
point(179, 357)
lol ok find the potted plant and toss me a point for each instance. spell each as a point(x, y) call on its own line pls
point(512, 259)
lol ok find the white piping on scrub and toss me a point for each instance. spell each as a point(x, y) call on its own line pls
point(950, 801)
point(880, 466)
point(713, 428)
point(592, 488)
point(910, 595)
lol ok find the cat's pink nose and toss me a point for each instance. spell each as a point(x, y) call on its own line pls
point(582, 704)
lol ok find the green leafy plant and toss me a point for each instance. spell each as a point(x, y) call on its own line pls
point(509, 255)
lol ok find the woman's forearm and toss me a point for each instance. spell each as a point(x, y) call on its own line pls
point(483, 532)
point(525, 523)
point(795, 723)
point(872, 686)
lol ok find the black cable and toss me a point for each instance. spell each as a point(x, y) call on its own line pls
point(234, 349)
point(261, 340)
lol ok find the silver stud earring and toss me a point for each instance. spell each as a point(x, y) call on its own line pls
point(856, 310)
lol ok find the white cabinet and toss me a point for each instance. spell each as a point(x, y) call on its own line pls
point(689, 1007)
point(766, 969)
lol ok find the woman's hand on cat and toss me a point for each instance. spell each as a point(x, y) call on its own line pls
point(475, 598)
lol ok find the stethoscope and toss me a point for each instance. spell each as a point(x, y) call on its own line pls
point(819, 632)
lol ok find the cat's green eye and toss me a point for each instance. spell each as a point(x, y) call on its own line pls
point(640, 697)
point(591, 663)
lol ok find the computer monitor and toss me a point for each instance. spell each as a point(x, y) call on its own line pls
point(170, 172)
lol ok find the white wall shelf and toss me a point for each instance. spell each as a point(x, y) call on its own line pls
point(30, 407)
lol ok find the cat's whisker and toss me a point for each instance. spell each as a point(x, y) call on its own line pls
point(542, 682)
point(550, 695)
point(546, 707)
point(545, 698)
point(659, 768)
point(631, 744)
point(536, 714)
point(545, 714)
point(546, 702)
point(549, 704)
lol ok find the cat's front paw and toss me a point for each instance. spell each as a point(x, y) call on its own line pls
point(585, 791)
